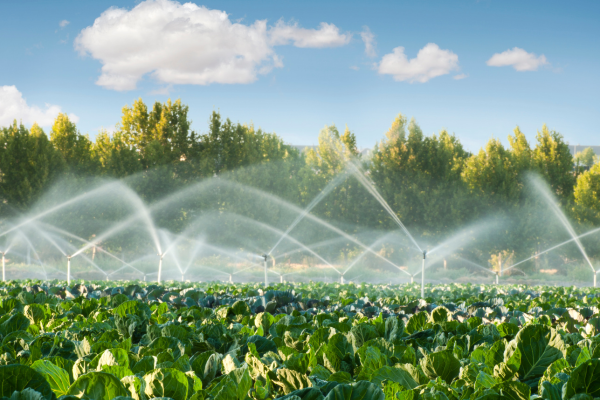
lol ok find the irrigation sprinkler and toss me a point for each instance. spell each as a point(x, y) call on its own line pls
point(69, 270)
point(280, 278)
point(266, 258)
point(342, 279)
point(160, 266)
point(4, 266)
point(423, 275)
point(230, 278)
point(500, 263)
point(412, 279)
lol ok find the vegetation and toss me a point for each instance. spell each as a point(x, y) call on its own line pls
point(131, 340)
point(432, 183)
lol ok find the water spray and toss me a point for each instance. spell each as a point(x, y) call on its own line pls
point(161, 255)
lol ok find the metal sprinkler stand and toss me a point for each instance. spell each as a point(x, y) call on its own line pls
point(342, 279)
point(423, 275)
point(230, 278)
point(160, 267)
point(266, 257)
point(412, 279)
point(594, 277)
point(497, 275)
point(280, 278)
point(3, 266)
point(68, 270)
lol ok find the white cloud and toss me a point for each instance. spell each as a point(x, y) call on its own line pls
point(519, 59)
point(328, 35)
point(63, 23)
point(431, 61)
point(460, 76)
point(369, 39)
point(354, 68)
point(14, 106)
point(189, 44)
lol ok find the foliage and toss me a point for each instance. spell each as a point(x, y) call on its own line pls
point(101, 341)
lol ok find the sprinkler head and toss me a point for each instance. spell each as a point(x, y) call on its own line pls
point(69, 257)
point(265, 256)
point(424, 254)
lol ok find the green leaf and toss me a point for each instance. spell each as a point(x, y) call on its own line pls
point(57, 377)
point(117, 370)
point(291, 380)
point(361, 390)
point(440, 315)
point(584, 379)
point(27, 394)
point(484, 381)
point(417, 322)
point(442, 364)
point(243, 382)
point(97, 386)
point(166, 382)
point(514, 390)
point(537, 346)
point(262, 345)
point(397, 375)
point(17, 377)
point(135, 386)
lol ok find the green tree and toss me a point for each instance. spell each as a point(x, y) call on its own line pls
point(587, 195)
point(28, 164)
point(586, 157)
point(492, 172)
point(420, 177)
point(117, 158)
point(75, 148)
point(554, 161)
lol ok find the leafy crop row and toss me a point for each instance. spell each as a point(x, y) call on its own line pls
point(308, 342)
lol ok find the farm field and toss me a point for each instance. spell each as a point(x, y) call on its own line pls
point(109, 340)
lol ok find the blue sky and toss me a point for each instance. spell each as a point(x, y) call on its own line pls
point(299, 79)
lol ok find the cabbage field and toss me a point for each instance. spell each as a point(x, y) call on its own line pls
point(132, 340)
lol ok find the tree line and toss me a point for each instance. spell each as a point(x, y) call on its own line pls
point(432, 183)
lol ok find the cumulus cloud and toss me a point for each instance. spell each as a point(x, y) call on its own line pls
point(369, 40)
point(63, 23)
point(431, 61)
point(517, 58)
point(460, 76)
point(14, 106)
point(190, 44)
point(328, 35)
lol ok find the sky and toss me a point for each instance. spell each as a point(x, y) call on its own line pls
point(475, 68)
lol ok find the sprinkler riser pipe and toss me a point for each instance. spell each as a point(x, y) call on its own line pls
point(594, 279)
point(68, 271)
point(159, 267)
point(496, 279)
point(3, 268)
point(280, 279)
point(342, 279)
point(266, 275)
point(423, 275)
